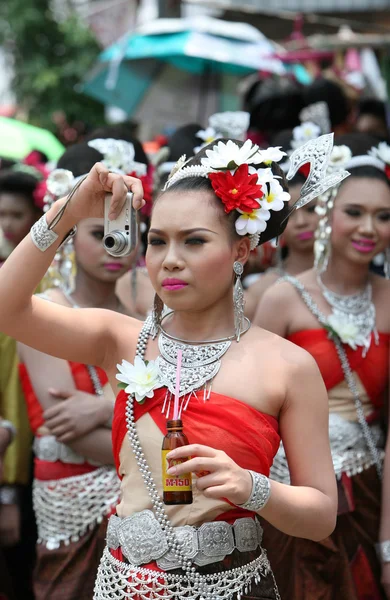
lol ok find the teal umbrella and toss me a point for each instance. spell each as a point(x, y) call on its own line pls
point(202, 45)
point(17, 139)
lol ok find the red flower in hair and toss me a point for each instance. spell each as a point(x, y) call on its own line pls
point(387, 171)
point(147, 184)
point(238, 191)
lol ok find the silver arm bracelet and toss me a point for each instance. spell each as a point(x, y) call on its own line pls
point(10, 427)
point(383, 551)
point(261, 491)
point(43, 235)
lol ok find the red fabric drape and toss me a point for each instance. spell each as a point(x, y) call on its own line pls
point(248, 436)
point(57, 470)
point(372, 369)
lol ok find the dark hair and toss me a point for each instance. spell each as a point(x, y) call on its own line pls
point(324, 90)
point(18, 182)
point(278, 220)
point(372, 106)
point(182, 141)
point(274, 104)
point(80, 158)
point(360, 144)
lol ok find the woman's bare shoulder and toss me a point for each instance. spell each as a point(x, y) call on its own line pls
point(275, 347)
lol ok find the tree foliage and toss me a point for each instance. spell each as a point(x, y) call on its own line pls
point(50, 59)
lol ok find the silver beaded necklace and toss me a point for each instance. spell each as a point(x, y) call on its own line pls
point(356, 309)
point(200, 364)
point(346, 367)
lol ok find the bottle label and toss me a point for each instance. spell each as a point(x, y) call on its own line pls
point(175, 483)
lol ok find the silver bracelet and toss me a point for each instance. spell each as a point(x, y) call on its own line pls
point(10, 427)
point(383, 551)
point(261, 491)
point(43, 237)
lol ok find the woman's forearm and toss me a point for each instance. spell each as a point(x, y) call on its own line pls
point(96, 445)
point(25, 268)
point(300, 511)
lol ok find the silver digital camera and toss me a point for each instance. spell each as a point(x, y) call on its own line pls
point(120, 235)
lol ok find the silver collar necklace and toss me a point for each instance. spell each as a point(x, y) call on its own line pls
point(201, 361)
point(356, 310)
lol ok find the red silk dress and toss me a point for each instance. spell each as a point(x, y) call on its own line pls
point(249, 437)
point(344, 566)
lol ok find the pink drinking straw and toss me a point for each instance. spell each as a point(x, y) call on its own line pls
point(177, 389)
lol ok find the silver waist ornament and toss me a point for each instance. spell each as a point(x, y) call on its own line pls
point(200, 364)
point(356, 309)
point(376, 455)
point(67, 508)
point(118, 579)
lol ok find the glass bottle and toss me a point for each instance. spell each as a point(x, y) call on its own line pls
point(177, 489)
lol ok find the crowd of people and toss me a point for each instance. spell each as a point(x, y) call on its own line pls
point(253, 308)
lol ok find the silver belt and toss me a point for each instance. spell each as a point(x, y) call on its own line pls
point(49, 449)
point(350, 454)
point(142, 540)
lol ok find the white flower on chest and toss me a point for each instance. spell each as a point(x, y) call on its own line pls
point(140, 379)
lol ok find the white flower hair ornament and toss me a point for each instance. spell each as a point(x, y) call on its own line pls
point(228, 124)
point(382, 154)
point(118, 156)
point(242, 178)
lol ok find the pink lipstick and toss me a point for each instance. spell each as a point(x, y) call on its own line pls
point(113, 266)
point(364, 245)
point(305, 235)
point(172, 285)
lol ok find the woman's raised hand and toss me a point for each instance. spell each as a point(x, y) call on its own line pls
point(88, 201)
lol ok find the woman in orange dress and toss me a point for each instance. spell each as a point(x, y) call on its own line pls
point(338, 312)
point(238, 391)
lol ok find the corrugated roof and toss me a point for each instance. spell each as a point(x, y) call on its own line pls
point(298, 5)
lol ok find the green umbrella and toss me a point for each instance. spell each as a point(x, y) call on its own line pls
point(17, 139)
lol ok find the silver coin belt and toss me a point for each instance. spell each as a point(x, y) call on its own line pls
point(376, 454)
point(142, 540)
point(47, 448)
point(348, 447)
point(68, 508)
point(117, 579)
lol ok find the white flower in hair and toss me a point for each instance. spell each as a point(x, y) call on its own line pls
point(274, 196)
point(228, 155)
point(269, 155)
point(140, 379)
point(304, 133)
point(340, 157)
point(208, 135)
point(382, 151)
point(263, 175)
point(254, 222)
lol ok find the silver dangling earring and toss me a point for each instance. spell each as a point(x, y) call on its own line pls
point(238, 300)
point(158, 307)
point(386, 266)
point(322, 245)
